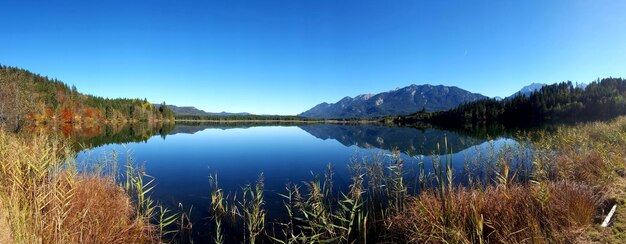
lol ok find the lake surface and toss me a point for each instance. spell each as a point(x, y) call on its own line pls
point(182, 158)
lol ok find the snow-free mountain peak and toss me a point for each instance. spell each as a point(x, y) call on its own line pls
point(400, 101)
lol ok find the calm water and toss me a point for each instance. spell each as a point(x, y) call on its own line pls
point(182, 159)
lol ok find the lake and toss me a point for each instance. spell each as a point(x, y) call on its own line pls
point(182, 157)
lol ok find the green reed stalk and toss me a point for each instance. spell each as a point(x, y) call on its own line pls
point(254, 213)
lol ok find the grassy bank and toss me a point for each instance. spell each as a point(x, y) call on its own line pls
point(578, 173)
point(45, 199)
point(595, 154)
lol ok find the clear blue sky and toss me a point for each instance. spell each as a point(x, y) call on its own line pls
point(283, 57)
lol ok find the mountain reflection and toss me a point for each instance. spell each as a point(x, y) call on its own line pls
point(405, 139)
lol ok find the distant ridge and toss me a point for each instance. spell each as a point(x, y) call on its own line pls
point(400, 101)
point(190, 110)
point(527, 90)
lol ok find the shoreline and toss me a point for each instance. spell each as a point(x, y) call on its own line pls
point(279, 121)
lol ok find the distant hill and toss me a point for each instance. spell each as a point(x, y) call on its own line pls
point(527, 90)
point(190, 110)
point(401, 101)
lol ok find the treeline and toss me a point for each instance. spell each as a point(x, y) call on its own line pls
point(26, 96)
point(244, 117)
point(562, 102)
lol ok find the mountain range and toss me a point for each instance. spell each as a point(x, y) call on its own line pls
point(190, 110)
point(400, 101)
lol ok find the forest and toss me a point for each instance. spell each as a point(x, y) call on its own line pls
point(557, 103)
point(27, 97)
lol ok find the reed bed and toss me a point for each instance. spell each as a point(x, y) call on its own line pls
point(559, 199)
point(44, 198)
point(515, 215)
point(593, 154)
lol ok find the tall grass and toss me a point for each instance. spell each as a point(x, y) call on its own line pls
point(253, 212)
point(45, 198)
point(378, 192)
point(556, 199)
point(492, 215)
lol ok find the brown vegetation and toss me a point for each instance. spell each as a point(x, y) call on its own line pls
point(5, 229)
point(578, 172)
point(45, 200)
point(513, 215)
point(103, 213)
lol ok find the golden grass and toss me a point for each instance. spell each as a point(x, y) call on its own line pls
point(103, 213)
point(514, 215)
point(578, 175)
point(5, 229)
point(45, 200)
point(595, 153)
point(616, 232)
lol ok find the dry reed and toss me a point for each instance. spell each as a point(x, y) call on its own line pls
point(46, 200)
